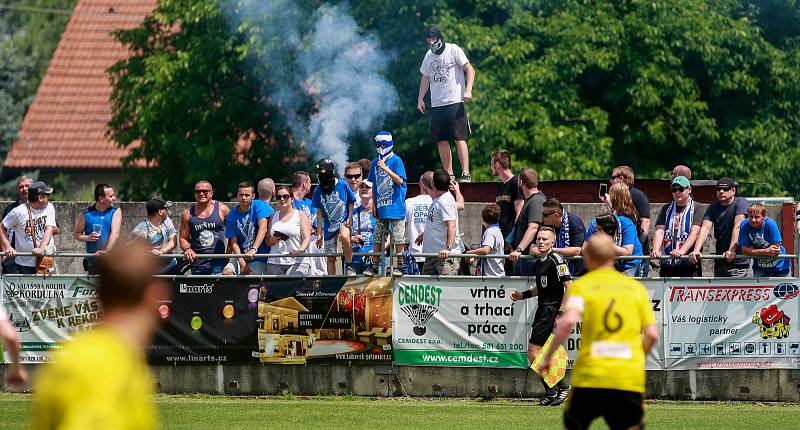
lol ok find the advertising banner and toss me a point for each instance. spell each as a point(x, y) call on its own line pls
point(325, 320)
point(735, 324)
point(46, 311)
point(655, 359)
point(207, 320)
point(460, 322)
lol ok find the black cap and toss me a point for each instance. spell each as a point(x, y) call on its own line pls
point(157, 203)
point(38, 188)
point(727, 183)
point(432, 32)
point(325, 166)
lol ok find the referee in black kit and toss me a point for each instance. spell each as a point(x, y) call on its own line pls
point(552, 279)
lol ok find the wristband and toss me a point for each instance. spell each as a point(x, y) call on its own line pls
point(527, 294)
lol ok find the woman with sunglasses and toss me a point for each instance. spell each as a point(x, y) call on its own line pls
point(290, 234)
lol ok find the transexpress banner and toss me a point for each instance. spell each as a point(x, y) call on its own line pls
point(736, 324)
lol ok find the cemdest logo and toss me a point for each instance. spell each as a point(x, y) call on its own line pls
point(196, 289)
point(419, 302)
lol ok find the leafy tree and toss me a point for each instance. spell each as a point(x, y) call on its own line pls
point(187, 106)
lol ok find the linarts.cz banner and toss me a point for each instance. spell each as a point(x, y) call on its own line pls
point(463, 322)
point(47, 311)
point(207, 320)
point(733, 324)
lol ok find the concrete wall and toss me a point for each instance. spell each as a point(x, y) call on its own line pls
point(395, 381)
point(469, 223)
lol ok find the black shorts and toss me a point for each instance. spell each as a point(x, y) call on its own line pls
point(620, 409)
point(543, 323)
point(449, 123)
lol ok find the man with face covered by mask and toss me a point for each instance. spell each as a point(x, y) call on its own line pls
point(443, 71)
point(335, 200)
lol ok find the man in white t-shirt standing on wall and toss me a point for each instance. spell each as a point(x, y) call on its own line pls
point(417, 215)
point(443, 71)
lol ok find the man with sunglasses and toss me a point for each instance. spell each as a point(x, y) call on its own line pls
point(725, 216)
point(202, 231)
point(677, 227)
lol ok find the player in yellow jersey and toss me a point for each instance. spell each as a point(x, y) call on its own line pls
point(100, 380)
point(608, 378)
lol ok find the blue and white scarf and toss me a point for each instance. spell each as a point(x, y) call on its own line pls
point(563, 233)
point(683, 223)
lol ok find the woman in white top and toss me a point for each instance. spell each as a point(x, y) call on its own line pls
point(290, 233)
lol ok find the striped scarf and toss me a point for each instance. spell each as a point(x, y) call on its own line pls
point(677, 221)
point(563, 234)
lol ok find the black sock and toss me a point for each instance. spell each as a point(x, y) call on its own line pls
point(548, 391)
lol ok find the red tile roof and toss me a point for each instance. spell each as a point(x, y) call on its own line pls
point(66, 123)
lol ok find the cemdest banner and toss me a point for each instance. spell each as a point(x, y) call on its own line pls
point(735, 324)
point(655, 359)
point(48, 310)
point(460, 322)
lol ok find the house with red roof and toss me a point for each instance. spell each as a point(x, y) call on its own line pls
point(64, 129)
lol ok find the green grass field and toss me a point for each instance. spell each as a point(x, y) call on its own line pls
point(229, 413)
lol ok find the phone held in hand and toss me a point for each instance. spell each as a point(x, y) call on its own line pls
point(602, 191)
point(280, 235)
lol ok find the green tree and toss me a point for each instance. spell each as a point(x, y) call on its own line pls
point(188, 108)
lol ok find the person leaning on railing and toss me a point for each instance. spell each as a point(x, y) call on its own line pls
point(760, 237)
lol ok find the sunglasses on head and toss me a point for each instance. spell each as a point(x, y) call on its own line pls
point(356, 176)
point(678, 189)
point(283, 196)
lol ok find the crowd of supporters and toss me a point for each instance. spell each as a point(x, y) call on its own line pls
point(367, 213)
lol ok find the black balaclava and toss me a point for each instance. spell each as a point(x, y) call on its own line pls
point(326, 174)
point(432, 32)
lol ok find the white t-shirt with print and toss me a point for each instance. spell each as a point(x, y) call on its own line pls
point(446, 73)
point(17, 221)
point(416, 217)
point(443, 208)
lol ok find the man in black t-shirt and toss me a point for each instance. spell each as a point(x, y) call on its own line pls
point(528, 221)
point(509, 198)
point(726, 216)
point(552, 278)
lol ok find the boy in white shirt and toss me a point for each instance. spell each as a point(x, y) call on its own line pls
point(491, 243)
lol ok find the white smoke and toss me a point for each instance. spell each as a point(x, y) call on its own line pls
point(334, 61)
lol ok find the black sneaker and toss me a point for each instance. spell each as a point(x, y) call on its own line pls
point(548, 400)
point(561, 396)
point(465, 177)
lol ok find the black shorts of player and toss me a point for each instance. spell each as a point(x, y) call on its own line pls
point(449, 123)
point(621, 409)
point(543, 323)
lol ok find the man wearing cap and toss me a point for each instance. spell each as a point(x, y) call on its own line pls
point(677, 227)
point(158, 231)
point(443, 71)
point(725, 216)
point(36, 217)
point(99, 225)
